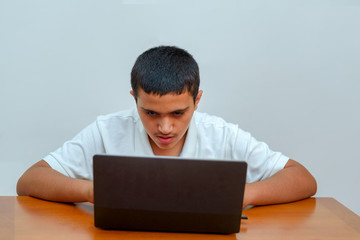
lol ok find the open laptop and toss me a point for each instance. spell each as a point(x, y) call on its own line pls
point(168, 194)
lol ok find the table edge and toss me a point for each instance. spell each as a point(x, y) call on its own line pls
point(342, 212)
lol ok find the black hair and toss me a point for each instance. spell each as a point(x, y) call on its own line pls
point(165, 69)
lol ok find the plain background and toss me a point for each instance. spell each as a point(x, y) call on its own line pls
point(286, 71)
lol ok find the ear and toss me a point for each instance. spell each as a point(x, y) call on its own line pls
point(197, 99)
point(133, 94)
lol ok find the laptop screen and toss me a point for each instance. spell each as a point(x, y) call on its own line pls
point(169, 188)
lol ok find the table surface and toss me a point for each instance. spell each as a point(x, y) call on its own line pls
point(313, 218)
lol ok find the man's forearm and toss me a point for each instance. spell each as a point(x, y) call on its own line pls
point(292, 183)
point(43, 182)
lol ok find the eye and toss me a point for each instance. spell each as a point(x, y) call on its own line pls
point(178, 113)
point(150, 113)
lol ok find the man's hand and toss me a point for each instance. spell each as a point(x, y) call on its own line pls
point(291, 183)
point(43, 182)
point(91, 192)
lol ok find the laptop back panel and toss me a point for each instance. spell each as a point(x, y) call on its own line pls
point(168, 194)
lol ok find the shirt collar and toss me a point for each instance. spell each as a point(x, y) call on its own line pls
point(142, 145)
point(189, 148)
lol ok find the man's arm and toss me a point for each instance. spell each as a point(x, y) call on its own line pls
point(43, 182)
point(291, 183)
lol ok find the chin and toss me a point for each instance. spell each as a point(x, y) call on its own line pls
point(167, 147)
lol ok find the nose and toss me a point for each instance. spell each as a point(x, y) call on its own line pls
point(165, 126)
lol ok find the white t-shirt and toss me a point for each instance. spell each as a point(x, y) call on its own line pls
point(123, 133)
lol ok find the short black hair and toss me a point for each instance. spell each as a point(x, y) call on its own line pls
point(165, 69)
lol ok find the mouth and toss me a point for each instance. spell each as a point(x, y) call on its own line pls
point(165, 139)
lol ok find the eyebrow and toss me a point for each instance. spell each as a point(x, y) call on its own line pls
point(177, 110)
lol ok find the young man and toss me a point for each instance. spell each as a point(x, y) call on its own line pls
point(165, 86)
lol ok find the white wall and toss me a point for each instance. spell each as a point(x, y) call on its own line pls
point(287, 71)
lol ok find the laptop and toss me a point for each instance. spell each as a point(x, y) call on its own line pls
point(168, 194)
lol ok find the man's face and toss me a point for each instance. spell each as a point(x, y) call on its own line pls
point(166, 119)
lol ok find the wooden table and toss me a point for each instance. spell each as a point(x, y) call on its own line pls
point(315, 218)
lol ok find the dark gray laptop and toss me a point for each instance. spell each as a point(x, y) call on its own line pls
point(168, 194)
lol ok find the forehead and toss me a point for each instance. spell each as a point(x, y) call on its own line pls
point(164, 103)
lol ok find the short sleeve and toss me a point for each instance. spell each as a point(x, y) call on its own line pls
point(74, 157)
point(262, 161)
